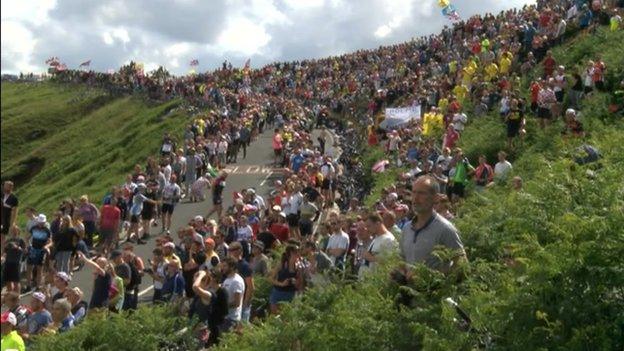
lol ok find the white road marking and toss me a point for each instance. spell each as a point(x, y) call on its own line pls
point(253, 169)
point(146, 290)
point(266, 178)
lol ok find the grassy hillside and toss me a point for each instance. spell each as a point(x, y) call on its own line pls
point(60, 140)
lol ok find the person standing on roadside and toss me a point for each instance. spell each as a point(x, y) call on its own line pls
point(102, 281)
point(217, 195)
point(235, 287)
point(382, 244)
point(110, 222)
point(90, 214)
point(65, 244)
point(277, 147)
point(9, 209)
point(244, 270)
point(40, 244)
point(428, 229)
point(13, 250)
point(170, 197)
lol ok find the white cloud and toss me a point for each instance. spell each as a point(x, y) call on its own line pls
point(107, 38)
point(242, 36)
point(17, 45)
point(112, 32)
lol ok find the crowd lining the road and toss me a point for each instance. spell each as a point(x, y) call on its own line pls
point(209, 266)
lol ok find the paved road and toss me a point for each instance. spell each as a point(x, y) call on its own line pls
point(253, 171)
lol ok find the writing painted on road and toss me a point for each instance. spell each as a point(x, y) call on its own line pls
point(251, 169)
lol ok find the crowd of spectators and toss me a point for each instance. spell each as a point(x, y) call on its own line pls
point(210, 266)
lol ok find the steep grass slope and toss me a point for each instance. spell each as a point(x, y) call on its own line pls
point(60, 140)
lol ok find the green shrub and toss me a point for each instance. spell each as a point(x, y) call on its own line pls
point(148, 328)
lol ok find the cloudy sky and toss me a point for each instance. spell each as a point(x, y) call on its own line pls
point(173, 32)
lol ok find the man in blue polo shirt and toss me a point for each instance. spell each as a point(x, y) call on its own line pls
point(296, 161)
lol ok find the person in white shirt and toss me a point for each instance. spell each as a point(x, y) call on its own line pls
point(166, 169)
point(459, 120)
point(328, 171)
point(157, 272)
point(444, 160)
point(235, 287)
point(170, 197)
point(222, 151)
point(502, 168)
point(384, 243)
point(290, 205)
point(338, 243)
point(212, 149)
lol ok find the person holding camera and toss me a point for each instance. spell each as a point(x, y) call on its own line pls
point(286, 279)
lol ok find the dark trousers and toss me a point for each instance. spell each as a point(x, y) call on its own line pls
point(131, 300)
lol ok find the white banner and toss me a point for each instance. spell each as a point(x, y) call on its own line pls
point(396, 117)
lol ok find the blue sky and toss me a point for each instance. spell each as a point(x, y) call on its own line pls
point(173, 32)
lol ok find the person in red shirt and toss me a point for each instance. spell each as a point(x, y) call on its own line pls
point(598, 74)
point(277, 146)
point(280, 229)
point(535, 88)
point(454, 106)
point(549, 64)
point(372, 138)
point(476, 47)
point(451, 137)
point(544, 19)
point(110, 218)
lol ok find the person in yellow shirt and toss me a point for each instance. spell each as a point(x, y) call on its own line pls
point(467, 74)
point(443, 105)
point(504, 64)
point(432, 122)
point(491, 71)
point(201, 124)
point(452, 67)
point(460, 91)
point(11, 340)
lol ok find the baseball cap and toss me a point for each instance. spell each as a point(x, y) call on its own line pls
point(169, 245)
point(282, 214)
point(9, 317)
point(64, 276)
point(199, 218)
point(277, 208)
point(39, 296)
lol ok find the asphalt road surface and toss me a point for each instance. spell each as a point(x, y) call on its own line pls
point(254, 171)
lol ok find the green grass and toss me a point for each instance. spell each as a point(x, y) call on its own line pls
point(62, 141)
